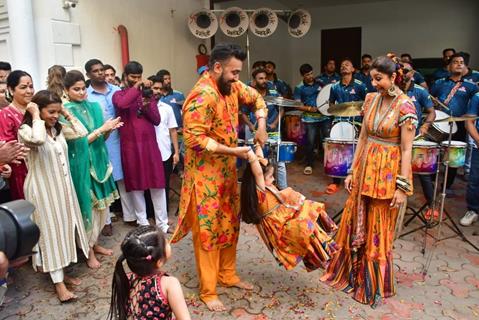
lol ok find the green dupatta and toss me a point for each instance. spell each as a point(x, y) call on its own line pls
point(90, 166)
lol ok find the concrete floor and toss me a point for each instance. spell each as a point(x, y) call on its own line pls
point(449, 291)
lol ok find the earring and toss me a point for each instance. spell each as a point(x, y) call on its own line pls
point(392, 91)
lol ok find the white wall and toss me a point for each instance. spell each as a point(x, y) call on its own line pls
point(158, 35)
point(421, 28)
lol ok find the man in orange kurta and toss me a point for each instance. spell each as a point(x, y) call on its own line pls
point(209, 204)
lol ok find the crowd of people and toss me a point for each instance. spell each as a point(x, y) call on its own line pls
point(77, 147)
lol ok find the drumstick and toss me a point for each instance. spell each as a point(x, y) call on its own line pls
point(419, 135)
point(436, 100)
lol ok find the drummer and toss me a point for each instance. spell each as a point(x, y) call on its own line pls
point(282, 87)
point(455, 94)
point(363, 74)
point(316, 124)
point(272, 123)
point(329, 75)
point(423, 103)
point(347, 89)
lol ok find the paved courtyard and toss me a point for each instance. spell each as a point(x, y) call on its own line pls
point(450, 289)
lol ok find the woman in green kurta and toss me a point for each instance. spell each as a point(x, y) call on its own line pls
point(90, 166)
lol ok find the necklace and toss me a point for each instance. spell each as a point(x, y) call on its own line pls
point(378, 116)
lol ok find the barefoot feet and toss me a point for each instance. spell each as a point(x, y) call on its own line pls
point(215, 305)
point(103, 251)
point(92, 261)
point(64, 295)
point(71, 280)
point(243, 285)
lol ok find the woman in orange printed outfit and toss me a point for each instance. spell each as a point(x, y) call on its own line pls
point(380, 181)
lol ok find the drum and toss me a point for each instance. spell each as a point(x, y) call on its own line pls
point(456, 153)
point(343, 131)
point(439, 131)
point(294, 127)
point(338, 156)
point(424, 157)
point(287, 150)
point(322, 100)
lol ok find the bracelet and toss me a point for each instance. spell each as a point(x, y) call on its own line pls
point(403, 184)
point(350, 172)
point(260, 117)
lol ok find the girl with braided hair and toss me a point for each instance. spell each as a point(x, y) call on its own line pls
point(146, 292)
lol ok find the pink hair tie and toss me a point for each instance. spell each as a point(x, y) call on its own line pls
point(148, 257)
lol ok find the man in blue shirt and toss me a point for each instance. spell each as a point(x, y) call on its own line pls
point(455, 94)
point(423, 103)
point(249, 118)
point(315, 123)
point(418, 77)
point(172, 97)
point(329, 75)
point(472, 192)
point(281, 86)
point(363, 74)
point(346, 90)
point(443, 72)
point(469, 74)
point(102, 92)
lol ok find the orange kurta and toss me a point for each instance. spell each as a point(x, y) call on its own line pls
point(211, 177)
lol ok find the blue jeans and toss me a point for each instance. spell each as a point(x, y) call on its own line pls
point(472, 192)
point(315, 131)
point(281, 175)
point(427, 188)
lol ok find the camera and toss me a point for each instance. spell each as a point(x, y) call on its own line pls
point(18, 233)
point(146, 92)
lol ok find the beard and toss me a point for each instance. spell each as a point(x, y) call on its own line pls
point(224, 86)
point(262, 86)
point(167, 86)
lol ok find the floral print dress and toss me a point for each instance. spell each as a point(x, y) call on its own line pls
point(295, 229)
point(364, 264)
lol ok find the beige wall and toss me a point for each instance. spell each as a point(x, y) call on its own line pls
point(158, 35)
point(421, 28)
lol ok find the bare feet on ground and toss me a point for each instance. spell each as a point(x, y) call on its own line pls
point(103, 251)
point(215, 305)
point(71, 280)
point(92, 261)
point(243, 285)
point(64, 295)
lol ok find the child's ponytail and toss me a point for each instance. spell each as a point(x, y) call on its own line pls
point(120, 290)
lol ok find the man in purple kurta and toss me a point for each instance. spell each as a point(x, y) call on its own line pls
point(140, 155)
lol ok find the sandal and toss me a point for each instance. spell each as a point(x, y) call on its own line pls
point(332, 188)
point(308, 170)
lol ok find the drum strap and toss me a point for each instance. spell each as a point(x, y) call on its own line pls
point(452, 93)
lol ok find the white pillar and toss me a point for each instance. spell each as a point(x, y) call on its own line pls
point(22, 37)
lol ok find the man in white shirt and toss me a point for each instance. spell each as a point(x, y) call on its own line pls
point(166, 135)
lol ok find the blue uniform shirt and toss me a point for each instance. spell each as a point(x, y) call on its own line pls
point(472, 76)
point(327, 79)
point(458, 104)
point(175, 99)
point(113, 141)
point(440, 73)
point(422, 101)
point(418, 77)
point(307, 94)
point(273, 110)
point(282, 87)
point(366, 80)
point(354, 91)
point(473, 108)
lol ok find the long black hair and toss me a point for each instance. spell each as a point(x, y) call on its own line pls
point(141, 248)
point(43, 99)
point(249, 198)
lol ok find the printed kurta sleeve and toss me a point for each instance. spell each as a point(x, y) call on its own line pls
point(123, 99)
point(73, 129)
point(252, 98)
point(33, 136)
point(198, 116)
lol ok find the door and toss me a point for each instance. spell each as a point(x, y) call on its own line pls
point(341, 43)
